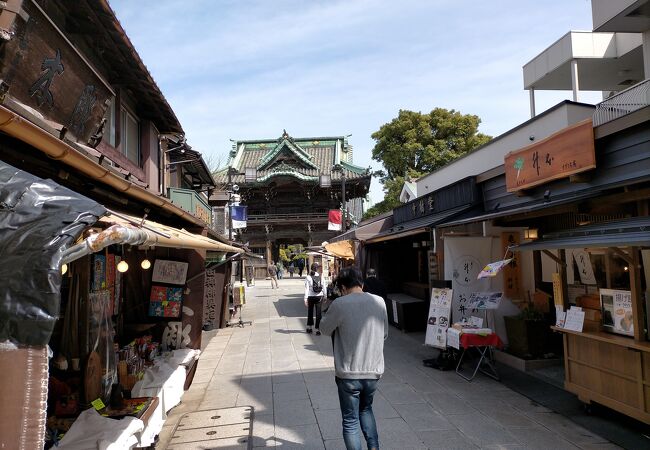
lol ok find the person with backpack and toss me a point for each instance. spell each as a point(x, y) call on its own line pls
point(314, 295)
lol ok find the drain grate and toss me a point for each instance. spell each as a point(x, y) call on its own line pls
point(230, 428)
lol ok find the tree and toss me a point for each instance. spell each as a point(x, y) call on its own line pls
point(414, 144)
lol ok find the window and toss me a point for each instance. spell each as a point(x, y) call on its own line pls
point(130, 137)
point(109, 128)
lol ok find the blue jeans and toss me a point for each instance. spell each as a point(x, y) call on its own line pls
point(355, 397)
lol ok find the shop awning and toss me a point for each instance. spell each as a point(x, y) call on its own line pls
point(123, 229)
point(529, 208)
point(367, 231)
point(619, 233)
point(342, 249)
point(420, 225)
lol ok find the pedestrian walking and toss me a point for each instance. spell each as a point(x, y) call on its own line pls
point(301, 266)
point(278, 267)
point(314, 295)
point(374, 285)
point(291, 270)
point(359, 324)
point(273, 274)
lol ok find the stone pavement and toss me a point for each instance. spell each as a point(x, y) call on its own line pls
point(287, 376)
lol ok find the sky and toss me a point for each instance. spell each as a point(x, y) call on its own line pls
point(247, 69)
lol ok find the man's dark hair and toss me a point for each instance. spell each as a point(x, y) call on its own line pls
point(349, 278)
point(314, 268)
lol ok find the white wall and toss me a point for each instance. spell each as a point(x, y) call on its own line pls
point(492, 154)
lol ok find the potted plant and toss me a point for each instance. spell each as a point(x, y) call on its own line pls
point(527, 333)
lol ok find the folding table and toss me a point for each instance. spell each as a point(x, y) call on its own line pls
point(483, 343)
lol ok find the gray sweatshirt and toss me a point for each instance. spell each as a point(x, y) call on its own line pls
point(361, 325)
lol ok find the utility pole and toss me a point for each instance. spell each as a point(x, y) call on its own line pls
point(343, 209)
point(230, 203)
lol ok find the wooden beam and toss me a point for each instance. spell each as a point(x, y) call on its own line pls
point(622, 254)
point(555, 258)
point(637, 300)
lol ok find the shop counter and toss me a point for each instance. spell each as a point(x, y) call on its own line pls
point(406, 312)
point(165, 380)
point(93, 430)
point(608, 369)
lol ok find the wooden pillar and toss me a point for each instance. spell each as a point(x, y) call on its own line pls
point(269, 254)
point(637, 299)
point(608, 269)
point(310, 242)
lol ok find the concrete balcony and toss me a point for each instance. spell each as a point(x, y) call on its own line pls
point(582, 60)
point(621, 15)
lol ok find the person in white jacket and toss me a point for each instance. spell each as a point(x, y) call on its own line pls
point(314, 295)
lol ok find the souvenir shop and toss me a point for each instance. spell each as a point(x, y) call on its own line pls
point(102, 318)
point(566, 249)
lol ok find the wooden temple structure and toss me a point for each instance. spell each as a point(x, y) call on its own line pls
point(289, 185)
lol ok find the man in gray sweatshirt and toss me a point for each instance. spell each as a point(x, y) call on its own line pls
point(359, 325)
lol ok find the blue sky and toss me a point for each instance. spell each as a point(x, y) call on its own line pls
point(240, 69)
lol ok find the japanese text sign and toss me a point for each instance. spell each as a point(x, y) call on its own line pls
point(564, 153)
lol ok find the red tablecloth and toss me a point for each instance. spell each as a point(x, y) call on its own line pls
point(477, 340)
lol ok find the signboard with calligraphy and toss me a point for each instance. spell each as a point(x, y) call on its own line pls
point(41, 69)
point(512, 272)
point(564, 153)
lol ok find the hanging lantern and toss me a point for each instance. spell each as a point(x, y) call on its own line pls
point(122, 266)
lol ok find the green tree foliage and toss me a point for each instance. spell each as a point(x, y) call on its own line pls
point(414, 144)
point(295, 252)
point(283, 256)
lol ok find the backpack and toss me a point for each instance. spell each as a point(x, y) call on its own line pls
point(317, 284)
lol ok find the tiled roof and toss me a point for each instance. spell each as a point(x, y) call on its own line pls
point(309, 158)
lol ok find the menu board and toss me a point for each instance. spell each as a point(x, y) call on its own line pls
point(617, 311)
point(438, 321)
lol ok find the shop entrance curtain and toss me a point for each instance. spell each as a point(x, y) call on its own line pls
point(465, 257)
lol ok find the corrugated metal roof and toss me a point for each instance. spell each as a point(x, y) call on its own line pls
point(406, 228)
point(618, 233)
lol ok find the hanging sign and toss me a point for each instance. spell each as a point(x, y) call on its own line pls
point(512, 283)
point(334, 220)
point(492, 269)
point(567, 152)
point(239, 216)
point(585, 270)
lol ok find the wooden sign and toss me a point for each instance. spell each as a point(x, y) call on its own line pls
point(512, 272)
point(564, 153)
point(43, 70)
point(558, 295)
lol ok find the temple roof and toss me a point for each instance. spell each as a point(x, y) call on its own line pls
point(303, 158)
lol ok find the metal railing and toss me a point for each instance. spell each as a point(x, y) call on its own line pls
point(623, 103)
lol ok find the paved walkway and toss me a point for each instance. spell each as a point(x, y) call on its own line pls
point(287, 376)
